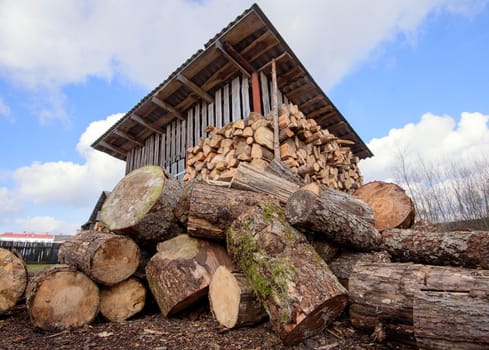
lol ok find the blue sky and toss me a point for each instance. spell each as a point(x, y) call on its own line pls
point(407, 75)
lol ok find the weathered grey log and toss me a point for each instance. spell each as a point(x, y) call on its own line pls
point(13, 279)
point(297, 288)
point(122, 300)
point(334, 215)
point(106, 257)
point(142, 205)
point(326, 250)
point(183, 205)
point(280, 169)
point(457, 248)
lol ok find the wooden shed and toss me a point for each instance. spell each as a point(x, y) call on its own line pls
point(220, 83)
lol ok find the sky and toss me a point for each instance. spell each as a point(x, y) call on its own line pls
point(411, 77)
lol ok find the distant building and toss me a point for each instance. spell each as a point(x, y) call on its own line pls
point(27, 237)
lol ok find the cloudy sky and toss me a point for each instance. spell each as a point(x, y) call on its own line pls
point(410, 76)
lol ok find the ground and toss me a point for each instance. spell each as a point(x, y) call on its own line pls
point(194, 330)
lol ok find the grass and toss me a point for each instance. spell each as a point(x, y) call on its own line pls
point(34, 268)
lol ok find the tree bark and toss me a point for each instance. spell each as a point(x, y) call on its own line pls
point(13, 279)
point(326, 250)
point(122, 300)
point(179, 274)
point(295, 285)
point(142, 205)
point(277, 167)
point(106, 257)
point(213, 209)
point(451, 320)
point(181, 209)
point(457, 248)
point(59, 297)
point(392, 207)
point(232, 301)
point(382, 294)
point(335, 215)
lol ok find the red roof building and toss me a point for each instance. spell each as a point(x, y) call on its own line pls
point(27, 237)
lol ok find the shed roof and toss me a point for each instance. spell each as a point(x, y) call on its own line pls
point(247, 44)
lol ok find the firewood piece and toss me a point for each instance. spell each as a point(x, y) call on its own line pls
point(391, 205)
point(296, 287)
point(264, 136)
point(142, 205)
point(279, 168)
point(232, 301)
point(259, 163)
point(451, 320)
point(383, 293)
point(457, 248)
point(335, 215)
point(179, 274)
point(122, 300)
point(253, 117)
point(59, 297)
point(13, 279)
point(285, 134)
point(260, 152)
point(213, 209)
point(106, 257)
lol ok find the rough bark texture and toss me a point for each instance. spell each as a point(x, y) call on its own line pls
point(335, 215)
point(183, 205)
point(179, 274)
point(232, 301)
point(326, 250)
point(123, 300)
point(214, 208)
point(277, 167)
point(142, 205)
point(451, 320)
point(296, 287)
point(253, 179)
point(60, 298)
point(106, 257)
point(457, 248)
point(391, 206)
point(13, 279)
point(382, 294)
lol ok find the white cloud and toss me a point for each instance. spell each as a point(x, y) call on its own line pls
point(434, 140)
point(5, 111)
point(9, 205)
point(39, 224)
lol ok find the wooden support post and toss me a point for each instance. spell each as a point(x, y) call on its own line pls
point(255, 90)
point(276, 143)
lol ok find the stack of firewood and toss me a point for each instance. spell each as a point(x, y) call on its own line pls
point(307, 149)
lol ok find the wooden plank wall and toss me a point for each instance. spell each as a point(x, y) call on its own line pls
point(168, 149)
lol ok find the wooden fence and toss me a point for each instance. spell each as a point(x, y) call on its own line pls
point(34, 252)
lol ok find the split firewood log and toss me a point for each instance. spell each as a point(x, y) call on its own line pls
point(13, 279)
point(59, 297)
point(213, 209)
point(297, 288)
point(106, 257)
point(142, 205)
point(391, 206)
point(232, 301)
point(179, 273)
point(382, 294)
point(122, 300)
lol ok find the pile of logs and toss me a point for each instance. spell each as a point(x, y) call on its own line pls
point(307, 149)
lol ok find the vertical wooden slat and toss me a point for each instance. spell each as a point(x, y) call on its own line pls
point(178, 149)
point(163, 151)
point(168, 146)
point(236, 100)
point(128, 162)
point(210, 114)
point(184, 138)
point(204, 122)
point(255, 92)
point(190, 128)
point(226, 111)
point(218, 116)
point(197, 123)
point(280, 97)
point(265, 96)
point(245, 97)
point(174, 140)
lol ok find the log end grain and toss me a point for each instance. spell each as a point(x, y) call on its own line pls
point(13, 279)
point(123, 300)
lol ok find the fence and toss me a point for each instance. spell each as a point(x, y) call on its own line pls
point(34, 252)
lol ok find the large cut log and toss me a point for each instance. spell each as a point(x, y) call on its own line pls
point(59, 297)
point(122, 300)
point(335, 215)
point(391, 206)
point(296, 287)
point(232, 301)
point(13, 279)
point(277, 167)
point(106, 257)
point(142, 205)
point(213, 209)
point(382, 294)
point(326, 250)
point(451, 320)
point(457, 248)
point(183, 205)
point(179, 274)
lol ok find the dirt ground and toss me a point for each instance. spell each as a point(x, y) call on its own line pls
point(194, 330)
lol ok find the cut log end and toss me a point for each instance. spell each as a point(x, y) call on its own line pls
point(13, 279)
point(300, 207)
point(123, 300)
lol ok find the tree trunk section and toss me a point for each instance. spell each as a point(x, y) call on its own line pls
point(233, 303)
point(457, 248)
point(182, 208)
point(214, 208)
point(59, 297)
point(391, 206)
point(326, 250)
point(142, 205)
point(106, 257)
point(13, 279)
point(295, 285)
point(179, 274)
point(448, 320)
point(123, 300)
point(382, 294)
point(336, 216)
point(277, 167)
